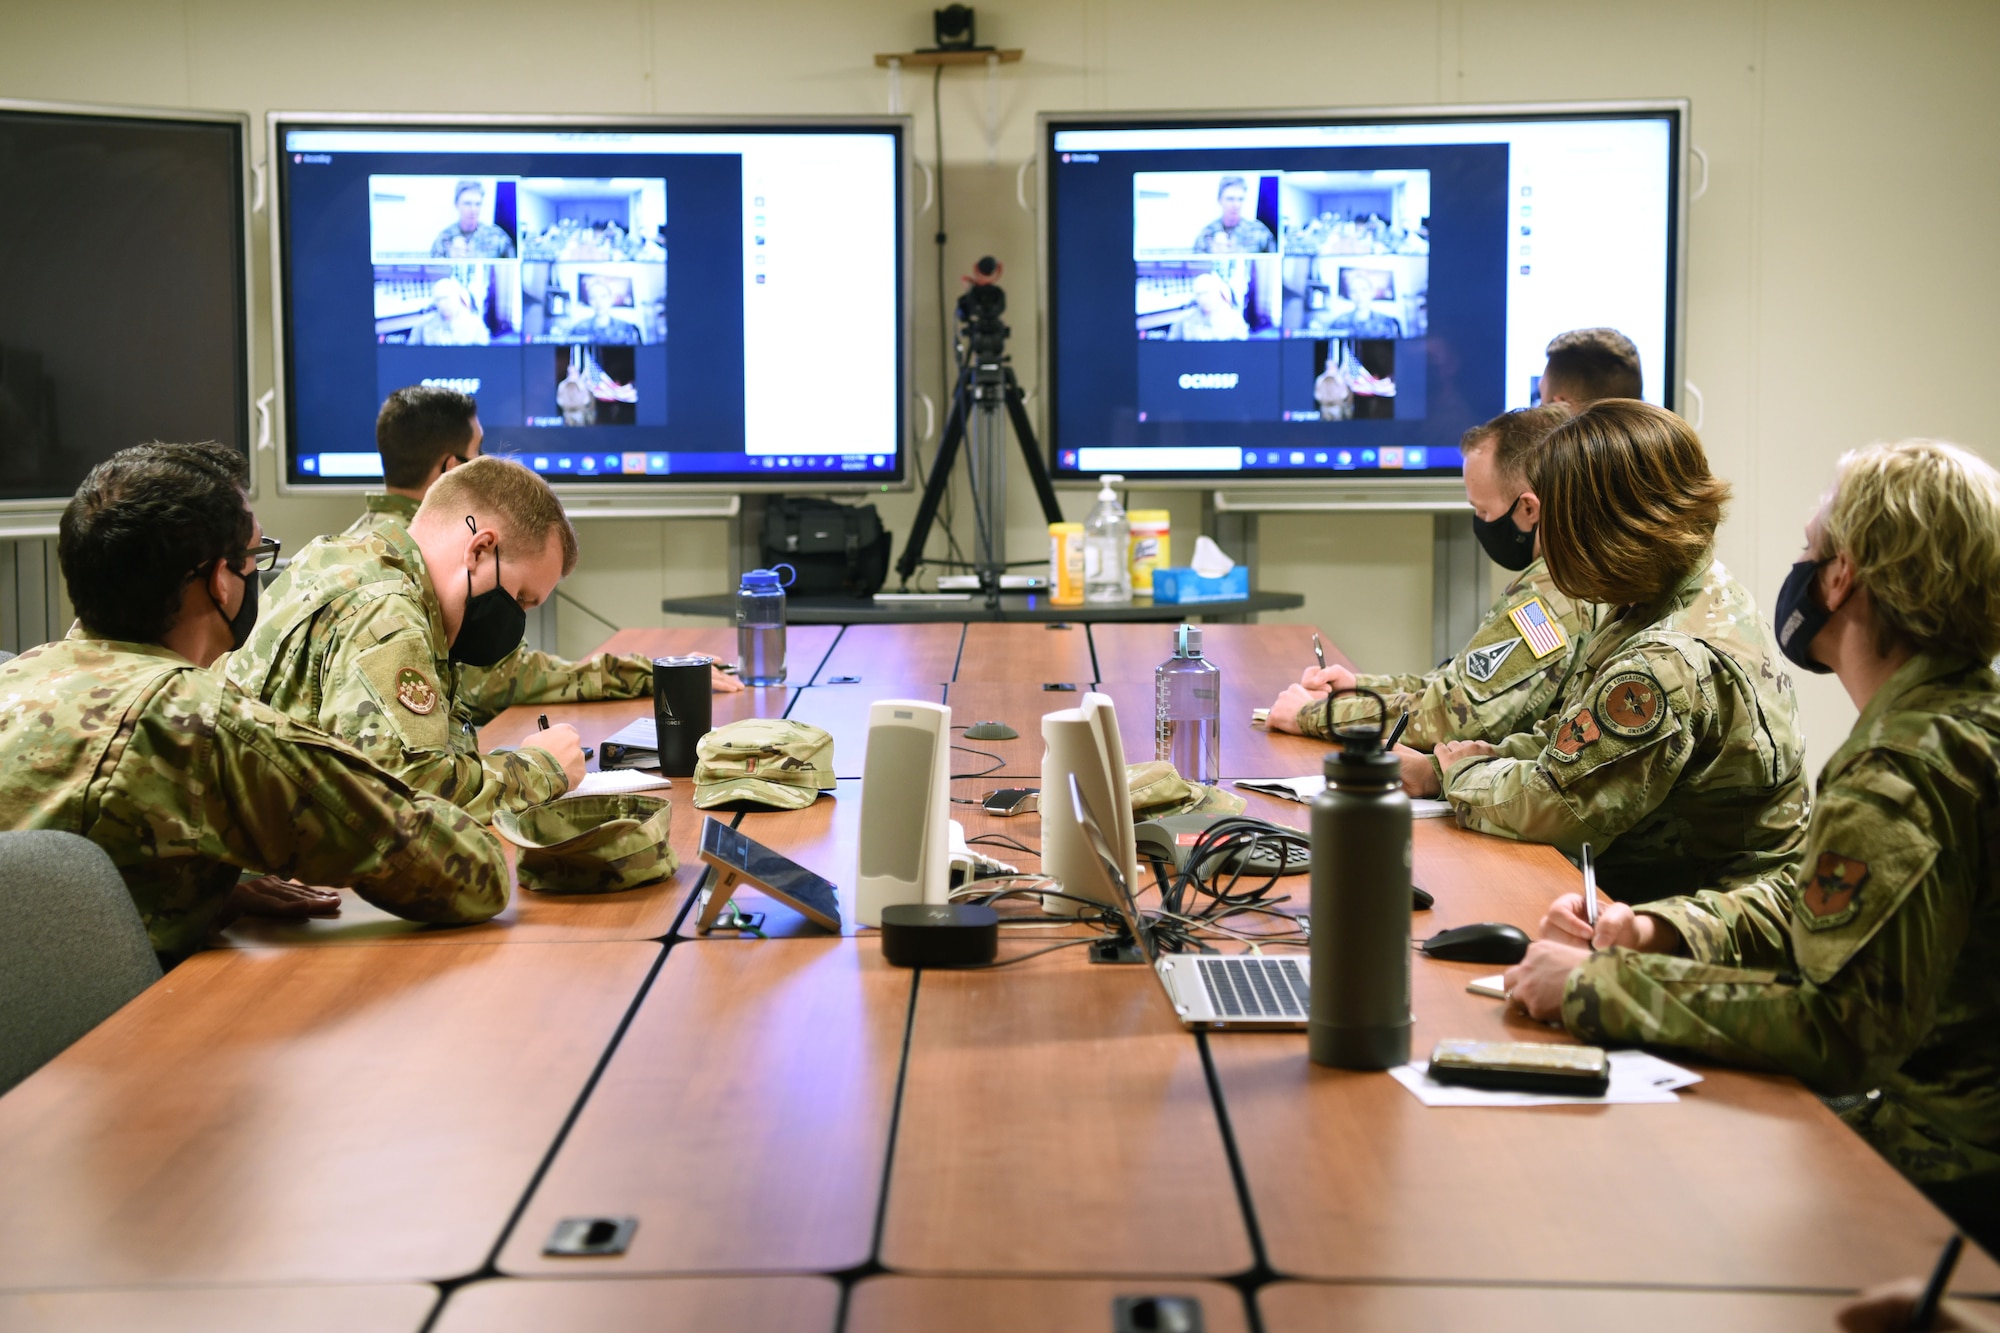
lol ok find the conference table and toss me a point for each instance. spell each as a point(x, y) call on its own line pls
point(365, 1123)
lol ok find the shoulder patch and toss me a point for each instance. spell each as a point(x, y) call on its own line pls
point(1833, 895)
point(1542, 632)
point(1482, 663)
point(1631, 704)
point(415, 693)
point(1573, 735)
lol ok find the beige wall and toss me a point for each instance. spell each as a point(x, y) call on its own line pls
point(1844, 275)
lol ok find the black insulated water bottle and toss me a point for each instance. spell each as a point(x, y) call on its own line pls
point(1361, 906)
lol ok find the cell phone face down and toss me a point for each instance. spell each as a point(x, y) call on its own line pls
point(781, 877)
point(1523, 1066)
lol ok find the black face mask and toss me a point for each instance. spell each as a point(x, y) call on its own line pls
point(245, 618)
point(1799, 618)
point(493, 625)
point(1505, 545)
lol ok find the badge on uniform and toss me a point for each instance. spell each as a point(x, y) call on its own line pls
point(415, 693)
point(1482, 663)
point(1543, 633)
point(1835, 884)
point(1631, 704)
point(1573, 735)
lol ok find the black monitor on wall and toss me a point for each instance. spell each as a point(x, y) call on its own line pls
point(124, 292)
point(1258, 297)
point(640, 306)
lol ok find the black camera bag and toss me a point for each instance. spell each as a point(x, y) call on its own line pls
point(839, 550)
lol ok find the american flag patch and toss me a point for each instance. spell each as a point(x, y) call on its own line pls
point(1543, 634)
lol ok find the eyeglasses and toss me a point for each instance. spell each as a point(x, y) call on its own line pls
point(265, 553)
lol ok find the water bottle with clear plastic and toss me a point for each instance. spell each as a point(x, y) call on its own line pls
point(1107, 540)
point(1187, 710)
point(760, 626)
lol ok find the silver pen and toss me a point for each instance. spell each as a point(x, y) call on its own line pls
point(1319, 651)
point(1590, 894)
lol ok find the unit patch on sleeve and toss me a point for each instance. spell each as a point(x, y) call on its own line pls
point(1482, 663)
point(415, 693)
point(1835, 884)
point(1542, 631)
point(1630, 704)
point(1573, 735)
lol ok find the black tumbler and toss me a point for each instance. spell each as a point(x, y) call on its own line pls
point(681, 711)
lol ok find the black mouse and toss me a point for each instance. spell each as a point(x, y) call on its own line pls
point(1487, 942)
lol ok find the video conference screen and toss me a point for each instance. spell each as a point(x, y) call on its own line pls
point(628, 306)
point(123, 315)
point(1318, 299)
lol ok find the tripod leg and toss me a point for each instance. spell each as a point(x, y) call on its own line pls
point(1024, 435)
point(934, 488)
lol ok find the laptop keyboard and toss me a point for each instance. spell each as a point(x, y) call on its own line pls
point(1256, 987)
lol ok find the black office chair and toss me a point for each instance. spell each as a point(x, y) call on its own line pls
point(72, 947)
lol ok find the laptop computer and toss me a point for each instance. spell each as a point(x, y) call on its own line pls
point(1207, 990)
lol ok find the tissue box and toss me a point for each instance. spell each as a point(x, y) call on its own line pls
point(1179, 587)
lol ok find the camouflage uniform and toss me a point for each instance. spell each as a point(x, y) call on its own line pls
point(485, 241)
point(1675, 751)
point(1495, 687)
point(1876, 965)
point(1247, 237)
point(526, 675)
point(352, 641)
point(186, 784)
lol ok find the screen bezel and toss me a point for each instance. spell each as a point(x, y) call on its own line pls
point(899, 126)
point(1676, 111)
point(19, 516)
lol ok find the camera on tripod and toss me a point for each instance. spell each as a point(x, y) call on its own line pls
point(981, 332)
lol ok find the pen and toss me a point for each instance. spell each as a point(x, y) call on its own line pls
point(1396, 733)
point(542, 722)
point(1319, 651)
point(1923, 1315)
point(1590, 893)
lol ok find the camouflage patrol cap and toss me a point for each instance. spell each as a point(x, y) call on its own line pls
point(769, 760)
point(1158, 790)
point(591, 844)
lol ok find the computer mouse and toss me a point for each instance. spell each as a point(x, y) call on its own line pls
point(990, 731)
point(1487, 942)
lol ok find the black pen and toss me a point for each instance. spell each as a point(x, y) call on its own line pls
point(1923, 1315)
point(1397, 734)
point(542, 721)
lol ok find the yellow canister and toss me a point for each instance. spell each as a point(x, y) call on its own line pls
point(1149, 549)
point(1066, 564)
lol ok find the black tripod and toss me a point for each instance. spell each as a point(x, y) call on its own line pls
point(985, 386)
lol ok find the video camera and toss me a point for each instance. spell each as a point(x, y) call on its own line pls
point(979, 311)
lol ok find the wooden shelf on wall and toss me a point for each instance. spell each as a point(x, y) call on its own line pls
point(914, 59)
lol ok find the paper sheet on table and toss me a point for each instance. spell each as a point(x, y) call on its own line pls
point(618, 780)
point(1637, 1078)
point(1304, 789)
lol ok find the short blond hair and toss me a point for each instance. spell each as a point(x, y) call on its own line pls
point(1920, 519)
point(1515, 436)
point(520, 504)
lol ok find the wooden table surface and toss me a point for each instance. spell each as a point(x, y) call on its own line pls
point(271, 1115)
point(306, 1115)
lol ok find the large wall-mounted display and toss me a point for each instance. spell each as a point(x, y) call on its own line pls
point(636, 305)
point(1264, 296)
point(124, 289)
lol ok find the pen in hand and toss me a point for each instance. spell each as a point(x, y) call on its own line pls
point(542, 723)
point(1590, 895)
point(1319, 651)
point(1396, 733)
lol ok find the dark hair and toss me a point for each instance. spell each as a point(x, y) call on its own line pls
point(463, 186)
point(1228, 181)
point(417, 427)
point(1629, 507)
point(1591, 364)
point(1515, 435)
point(142, 523)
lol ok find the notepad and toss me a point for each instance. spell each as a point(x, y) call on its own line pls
point(616, 781)
point(1304, 789)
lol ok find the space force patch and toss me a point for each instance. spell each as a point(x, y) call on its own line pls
point(415, 693)
point(1482, 663)
point(1630, 705)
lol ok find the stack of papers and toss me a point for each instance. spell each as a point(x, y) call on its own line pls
point(617, 780)
point(1303, 790)
point(1637, 1077)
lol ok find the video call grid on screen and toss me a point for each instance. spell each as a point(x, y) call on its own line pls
point(628, 305)
point(1294, 297)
